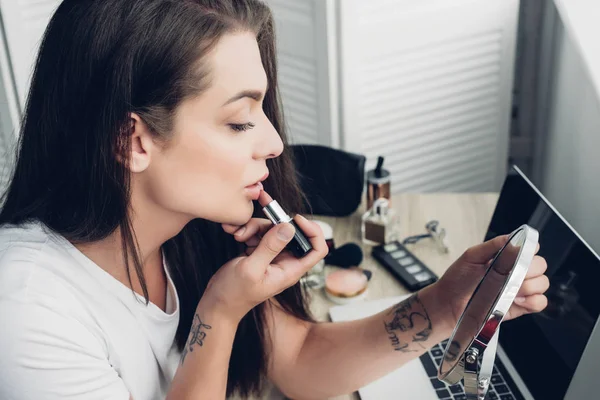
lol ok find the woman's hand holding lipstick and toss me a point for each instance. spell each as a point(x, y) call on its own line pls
point(252, 233)
point(267, 269)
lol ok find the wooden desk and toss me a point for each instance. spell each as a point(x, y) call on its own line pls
point(464, 216)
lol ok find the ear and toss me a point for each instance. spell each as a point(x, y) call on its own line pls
point(141, 144)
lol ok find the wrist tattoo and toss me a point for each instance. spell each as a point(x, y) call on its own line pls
point(197, 336)
point(411, 319)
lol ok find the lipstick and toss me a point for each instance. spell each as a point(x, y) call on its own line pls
point(299, 246)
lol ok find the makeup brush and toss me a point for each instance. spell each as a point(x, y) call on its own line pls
point(347, 255)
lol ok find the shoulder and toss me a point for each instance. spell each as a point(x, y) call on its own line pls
point(37, 283)
point(32, 283)
point(33, 264)
point(50, 347)
point(50, 353)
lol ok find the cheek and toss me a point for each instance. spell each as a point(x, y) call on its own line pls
point(222, 177)
point(205, 180)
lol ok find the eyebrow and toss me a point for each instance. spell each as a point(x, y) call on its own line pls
point(255, 95)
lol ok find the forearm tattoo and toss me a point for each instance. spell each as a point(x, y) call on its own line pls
point(197, 336)
point(408, 325)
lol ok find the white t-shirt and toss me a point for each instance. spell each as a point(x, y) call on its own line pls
point(69, 330)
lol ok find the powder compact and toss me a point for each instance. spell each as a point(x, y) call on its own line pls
point(345, 286)
point(327, 234)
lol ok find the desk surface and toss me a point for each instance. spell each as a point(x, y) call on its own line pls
point(464, 216)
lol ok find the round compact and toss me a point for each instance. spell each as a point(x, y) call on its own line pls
point(327, 234)
point(471, 350)
point(344, 286)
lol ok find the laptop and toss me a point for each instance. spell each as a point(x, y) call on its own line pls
point(552, 355)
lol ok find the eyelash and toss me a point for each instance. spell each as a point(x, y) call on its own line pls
point(241, 127)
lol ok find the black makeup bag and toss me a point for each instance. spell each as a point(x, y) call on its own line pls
point(332, 179)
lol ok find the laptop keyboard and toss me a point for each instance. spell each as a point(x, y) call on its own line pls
point(500, 388)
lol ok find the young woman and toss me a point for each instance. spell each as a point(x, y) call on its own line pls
point(130, 262)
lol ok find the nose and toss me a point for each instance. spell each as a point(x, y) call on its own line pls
point(270, 145)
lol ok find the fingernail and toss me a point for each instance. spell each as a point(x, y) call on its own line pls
point(302, 217)
point(285, 232)
point(520, 300)
point(239, 231)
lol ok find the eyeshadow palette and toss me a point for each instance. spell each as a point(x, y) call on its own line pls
point(404, 265)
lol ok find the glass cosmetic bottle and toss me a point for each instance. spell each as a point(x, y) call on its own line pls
point(380, 224)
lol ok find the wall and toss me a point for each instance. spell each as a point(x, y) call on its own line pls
point(570, 164)
point(9, 115)
point(526, 90)
point(7, 141)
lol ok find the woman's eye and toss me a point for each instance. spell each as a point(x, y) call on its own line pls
point(241, 127)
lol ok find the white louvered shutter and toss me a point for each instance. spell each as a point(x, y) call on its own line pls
point(428, 85)
point(7, 142)
point(23, 23)
point(307, 73)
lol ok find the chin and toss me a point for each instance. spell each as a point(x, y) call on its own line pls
point(241, 215)
point(237, 212)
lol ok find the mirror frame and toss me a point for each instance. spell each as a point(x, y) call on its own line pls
point(476, 363)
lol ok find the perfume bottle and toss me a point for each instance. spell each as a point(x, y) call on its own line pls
point(315, 277)
point(378, 184)
point(380, 223)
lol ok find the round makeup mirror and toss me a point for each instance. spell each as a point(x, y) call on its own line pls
point(471, 349)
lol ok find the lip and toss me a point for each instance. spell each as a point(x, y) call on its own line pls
point(254, 190)
point(263, 178)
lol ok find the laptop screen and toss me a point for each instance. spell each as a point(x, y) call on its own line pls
point(545, 348)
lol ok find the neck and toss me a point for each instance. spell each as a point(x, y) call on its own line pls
point(152, 226)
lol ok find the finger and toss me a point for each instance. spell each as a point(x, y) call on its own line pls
point(230, 228)
point(314, 234)
point(249, 250)
point(279, 258)
point(537, 285)
point(253, 241)
point(532, 304)
point(285, 271)
point(272, 243)
point(482, 253)
point(289, 269)
point(538, 267)
point(255, 227)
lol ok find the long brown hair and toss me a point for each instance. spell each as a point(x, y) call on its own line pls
point(99, 61)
